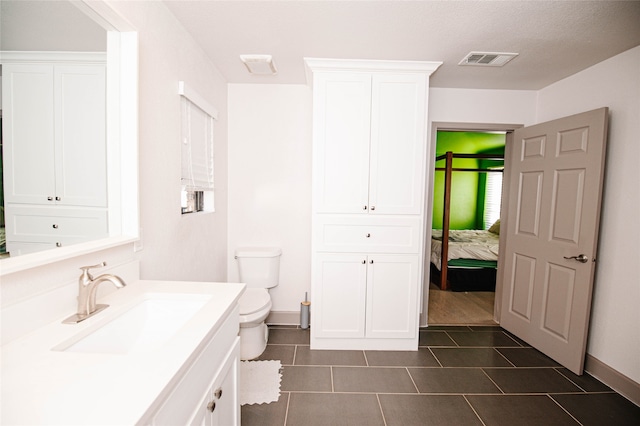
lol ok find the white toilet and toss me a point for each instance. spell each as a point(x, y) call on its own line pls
point(259, 269)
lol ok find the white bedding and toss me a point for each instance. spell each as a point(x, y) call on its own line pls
point(465, 244)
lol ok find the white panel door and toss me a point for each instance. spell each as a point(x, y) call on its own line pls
point(556, 174)
point(392, 296)
point(28, 133)
point(398, 114)
point(81, 159)
point(342, 117)
point(339, 295)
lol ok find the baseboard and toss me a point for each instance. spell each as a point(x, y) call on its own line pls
point(617, 381)
point(283, 318)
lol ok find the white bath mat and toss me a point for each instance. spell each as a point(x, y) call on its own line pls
point(259, 382)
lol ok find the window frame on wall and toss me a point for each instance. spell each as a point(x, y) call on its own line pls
point(197, 186)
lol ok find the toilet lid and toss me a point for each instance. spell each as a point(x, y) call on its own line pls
point(253, 300)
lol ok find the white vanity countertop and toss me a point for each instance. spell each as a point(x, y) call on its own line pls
point(44, 386)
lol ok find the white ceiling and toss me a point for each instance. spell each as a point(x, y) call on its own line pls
point(555, 39)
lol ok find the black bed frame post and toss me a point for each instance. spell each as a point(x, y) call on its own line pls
point(444, 255)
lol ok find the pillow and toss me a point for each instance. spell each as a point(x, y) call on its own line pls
point(495, 228)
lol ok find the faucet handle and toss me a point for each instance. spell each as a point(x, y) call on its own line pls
point(85, 269)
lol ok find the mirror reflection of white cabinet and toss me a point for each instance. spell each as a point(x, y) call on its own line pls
point(54, 142)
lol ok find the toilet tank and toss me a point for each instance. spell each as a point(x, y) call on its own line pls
point(259, 267)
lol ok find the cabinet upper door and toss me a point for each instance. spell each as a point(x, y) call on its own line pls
point(398, 140)
point(28, 133)
point(342, 123)
point(81, 158)
point(54, 135)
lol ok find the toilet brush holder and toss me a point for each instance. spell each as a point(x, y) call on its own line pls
point(304, 313)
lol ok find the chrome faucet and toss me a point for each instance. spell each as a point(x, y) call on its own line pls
point(87, 289)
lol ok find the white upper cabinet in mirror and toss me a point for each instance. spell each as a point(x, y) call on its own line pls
point(106, 28)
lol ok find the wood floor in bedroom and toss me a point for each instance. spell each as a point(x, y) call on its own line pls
point(460, 307)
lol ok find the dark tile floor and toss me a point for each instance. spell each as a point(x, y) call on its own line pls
point(459, 376)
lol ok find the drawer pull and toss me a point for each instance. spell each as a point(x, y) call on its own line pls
point(58, 244)
point(49, 198)
point(58, 199)
point(218, 393)
point(211, 406)
point(55, 226)
point(373, 208)
point(371, 261)
point(364, 207)
point(364, 262)
point(368, 235)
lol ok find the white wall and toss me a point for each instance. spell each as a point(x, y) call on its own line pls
point(176, 247)
point(614, 338)
point(270, 181)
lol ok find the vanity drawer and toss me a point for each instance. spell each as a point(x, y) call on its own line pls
point(372, 235)
point(179, 403)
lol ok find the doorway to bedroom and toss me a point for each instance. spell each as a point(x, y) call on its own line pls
point(466, 200)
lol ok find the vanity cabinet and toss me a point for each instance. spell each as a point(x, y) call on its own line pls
point(368, 183)
point(54, 144)
point(207, 392)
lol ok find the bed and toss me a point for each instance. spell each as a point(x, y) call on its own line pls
point(472, 259)
point(466, 259)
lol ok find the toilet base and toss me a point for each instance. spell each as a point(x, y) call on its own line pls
point(253, 341)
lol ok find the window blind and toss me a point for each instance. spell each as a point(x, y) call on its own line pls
point(492, 198)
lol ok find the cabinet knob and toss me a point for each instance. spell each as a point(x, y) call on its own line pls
point(58, 244)
point(49, 198)
point(218, 393)
point(364, 207)
point(58, 198)
point(55, 226)
point(371, 261)
point(368, 235)
point(211, 406)
point(373, 208)
point(364, 262)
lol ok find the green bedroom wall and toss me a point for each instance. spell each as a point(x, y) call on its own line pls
point(467, 193)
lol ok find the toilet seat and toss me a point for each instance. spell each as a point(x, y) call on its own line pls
point(254, 300)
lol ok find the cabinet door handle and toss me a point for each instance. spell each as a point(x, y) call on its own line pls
point(373, 208)
point(371, 261)
point(211, 406)
point(368, 235)
point(218, 393)
point(364, 262)
point(49, 198)
point(364, 207)
point(55, 226)
point(58, 244)
point(57, 198)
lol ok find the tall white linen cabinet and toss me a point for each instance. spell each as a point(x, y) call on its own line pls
point(369, 157)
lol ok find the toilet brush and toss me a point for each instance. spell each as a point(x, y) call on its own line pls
point(304, 313)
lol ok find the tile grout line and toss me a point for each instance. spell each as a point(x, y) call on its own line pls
point(412, 381)
point(563, 409)
point(473, 409)
point(286, 411)
point(492, 381)
point(384, 419)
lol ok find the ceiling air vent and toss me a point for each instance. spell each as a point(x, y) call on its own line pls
point(487, 59)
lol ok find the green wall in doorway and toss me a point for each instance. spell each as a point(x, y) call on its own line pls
point(467, 193)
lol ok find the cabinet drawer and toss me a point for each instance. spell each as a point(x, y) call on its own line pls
point(43, 224)
point(185, 398)
point(371, 235)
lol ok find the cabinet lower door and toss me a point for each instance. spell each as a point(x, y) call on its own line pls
point(339, 295)
point(392, 296)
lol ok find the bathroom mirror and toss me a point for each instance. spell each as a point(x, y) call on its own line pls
point(94, 23)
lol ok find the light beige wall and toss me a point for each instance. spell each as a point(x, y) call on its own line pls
point(614, 338)
point(176, 247)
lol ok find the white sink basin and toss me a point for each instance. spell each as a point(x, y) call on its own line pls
point(151, 322)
